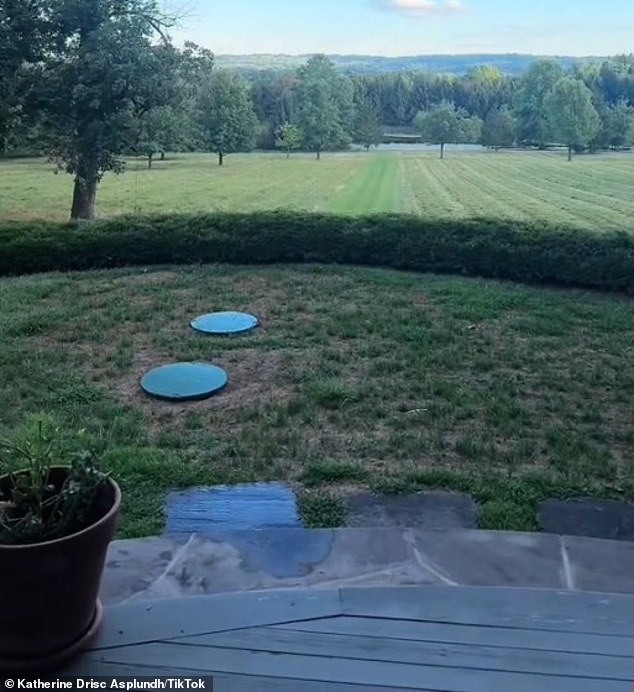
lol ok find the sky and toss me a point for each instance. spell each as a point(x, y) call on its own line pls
point(407, 27)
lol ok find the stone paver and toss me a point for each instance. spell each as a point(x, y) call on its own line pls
point(297, 558)
point(590, 517)
point(429, 510)
point(486, 558)
point(135, 564)
point(600, 565)
point(236, 507)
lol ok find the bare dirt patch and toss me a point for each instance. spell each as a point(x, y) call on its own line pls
point(149, 277)
point(254, 376)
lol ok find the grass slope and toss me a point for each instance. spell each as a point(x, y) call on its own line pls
point(357, 378)
point(590, 192)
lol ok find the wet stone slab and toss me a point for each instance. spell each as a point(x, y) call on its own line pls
point(600, 565)
point(132, 566)
point(332, 558)
point(484, 558)
point(589, 517)
point(207, 510)
point(429, 510)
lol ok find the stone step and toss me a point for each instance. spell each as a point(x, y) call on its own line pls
point(290, 558)
point(207, 510)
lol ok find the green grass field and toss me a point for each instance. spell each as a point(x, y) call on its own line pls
point(592, 191)
point(357, 378)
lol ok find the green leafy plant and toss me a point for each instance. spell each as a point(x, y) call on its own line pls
point(38, 503)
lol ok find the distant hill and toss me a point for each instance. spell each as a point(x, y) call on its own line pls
point(507, 63)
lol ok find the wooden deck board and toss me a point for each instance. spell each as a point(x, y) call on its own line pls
point(476, 657)
point(138, 621)
point(351, 671)
point(558, 611)
point(223, 683)
point(376, 640)
point(479, 635)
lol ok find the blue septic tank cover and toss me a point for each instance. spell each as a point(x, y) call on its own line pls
point(224, 322)
point(184, 381)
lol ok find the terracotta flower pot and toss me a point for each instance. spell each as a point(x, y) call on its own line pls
point(49, 591)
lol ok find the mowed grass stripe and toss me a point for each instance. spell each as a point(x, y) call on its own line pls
point(485, 194)
point(575, 179)
point(433, 196)
point(591, 192)
point(376, 189)
point(182, 183)
point(553, 199)
point(527, 199)
point(584, 191)
point(252, 182)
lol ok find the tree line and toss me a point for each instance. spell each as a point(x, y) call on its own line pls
point(89, 83)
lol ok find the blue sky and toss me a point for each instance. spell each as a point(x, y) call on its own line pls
point(408, 27)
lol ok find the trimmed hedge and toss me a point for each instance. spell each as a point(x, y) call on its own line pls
point(526, 252)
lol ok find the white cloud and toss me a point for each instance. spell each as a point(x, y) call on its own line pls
point(422, 8)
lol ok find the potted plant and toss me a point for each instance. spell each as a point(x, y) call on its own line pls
point(58, 513)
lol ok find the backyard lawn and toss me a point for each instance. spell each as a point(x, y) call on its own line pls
point(357, 378)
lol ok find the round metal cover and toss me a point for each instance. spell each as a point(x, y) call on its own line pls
point(224, 322)
point(184, 381)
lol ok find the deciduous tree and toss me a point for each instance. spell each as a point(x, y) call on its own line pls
point(288, 137)
point(499, 128)
point(324, 106)
point(227, 117)
point(102, 70)
point(571, 114)
point(446, 124)
point(536, 83)
point(367, 127)
point(616, 125)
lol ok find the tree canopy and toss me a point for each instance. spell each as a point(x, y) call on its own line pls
point(324, 106)
point(533, 124)
point(227, 118)
point(446, 124)
point(571, 114)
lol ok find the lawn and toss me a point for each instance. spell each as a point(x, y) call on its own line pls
point(358, 378)
point(591, 192)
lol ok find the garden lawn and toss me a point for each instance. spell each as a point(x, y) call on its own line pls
point(358, 378)
point(592, 191)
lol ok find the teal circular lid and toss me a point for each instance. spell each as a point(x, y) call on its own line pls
point(184, 381)
point(224, 322)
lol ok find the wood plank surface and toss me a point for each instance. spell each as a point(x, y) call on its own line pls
point(558, 611)
point(351, 671)
point(146, 621)
point(468, 656)
point(545, 640)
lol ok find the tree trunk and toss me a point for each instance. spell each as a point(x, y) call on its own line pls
point(149, 160)
point(221, 158)
point(442, 150)
point(570, 152)
point(318, 154)
point(162, 156)
point(84, 195)
point(288, 153)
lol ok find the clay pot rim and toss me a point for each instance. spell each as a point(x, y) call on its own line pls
point(114, 509)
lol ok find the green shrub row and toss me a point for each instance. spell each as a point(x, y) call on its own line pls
point(526, 252)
